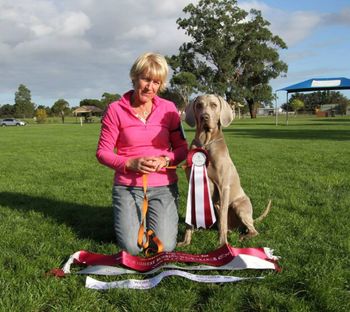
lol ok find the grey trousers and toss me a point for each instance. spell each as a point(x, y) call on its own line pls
point(162, 216)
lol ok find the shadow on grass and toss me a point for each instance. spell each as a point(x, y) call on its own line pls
point(327, 120)
point(292, 134)
point(88, 222)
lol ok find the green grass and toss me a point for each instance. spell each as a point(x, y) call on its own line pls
point(55, 200)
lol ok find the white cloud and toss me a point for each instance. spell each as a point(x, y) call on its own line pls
point(73, 24)
point(297, 26)
point(292, 27)
point(41, 30)
point(168, 8)
point(141, 32)
point(51, 48)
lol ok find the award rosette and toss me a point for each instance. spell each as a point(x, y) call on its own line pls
point(199, 210)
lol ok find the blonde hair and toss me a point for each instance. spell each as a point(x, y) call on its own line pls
point(153, 65)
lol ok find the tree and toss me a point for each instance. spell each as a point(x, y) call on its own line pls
point(296, 105)
point(7, 110)
point(60, 108)
point(108, 98)
point(41, 115)
point(46, 108)
point(90, 102)
point(174, 96)
point(184, 84)
point(23, 102)
point(343, 106)
point(231, 53)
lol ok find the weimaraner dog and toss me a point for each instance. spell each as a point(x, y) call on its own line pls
point(209, 113)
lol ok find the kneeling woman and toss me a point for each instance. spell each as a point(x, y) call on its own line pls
point(141, 134)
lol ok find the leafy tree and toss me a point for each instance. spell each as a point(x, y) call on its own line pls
point(46, 108)
point(23, 102)
point(343, 106)
point(232, 53)
point(60, 108)
point(90, 102)
point(108, 98)
point(296, 105)
point(184, 84)
point(174, 96)
point(41, 115)
point(7, 110)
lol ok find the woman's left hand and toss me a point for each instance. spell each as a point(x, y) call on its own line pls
point(158, 162)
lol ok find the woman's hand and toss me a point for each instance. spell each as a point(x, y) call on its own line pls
point(146, 164)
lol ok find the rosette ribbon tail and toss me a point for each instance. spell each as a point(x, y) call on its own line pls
point(200, 210)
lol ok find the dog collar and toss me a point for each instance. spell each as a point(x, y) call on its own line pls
point(203, 146)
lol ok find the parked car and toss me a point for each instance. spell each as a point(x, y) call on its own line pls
point(12, 122)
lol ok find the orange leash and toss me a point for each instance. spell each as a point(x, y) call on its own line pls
point(176, 167)
point(147, 240)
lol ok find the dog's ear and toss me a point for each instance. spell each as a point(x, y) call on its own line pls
point(189, 114)
point(226, 114)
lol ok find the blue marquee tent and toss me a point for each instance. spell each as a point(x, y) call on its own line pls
point(317, 84)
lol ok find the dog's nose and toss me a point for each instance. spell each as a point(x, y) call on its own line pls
point(205, 117)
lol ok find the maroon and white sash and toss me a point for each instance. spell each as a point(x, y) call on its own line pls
point(199, 211)
point(252, 258)
point(225, 258)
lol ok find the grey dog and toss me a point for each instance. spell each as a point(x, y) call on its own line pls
point(209, 113)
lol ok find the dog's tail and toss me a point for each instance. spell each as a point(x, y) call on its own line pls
point(265, 212)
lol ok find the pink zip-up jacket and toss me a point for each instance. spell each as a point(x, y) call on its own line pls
point(124, 135)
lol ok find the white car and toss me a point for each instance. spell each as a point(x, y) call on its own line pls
point(12, 122)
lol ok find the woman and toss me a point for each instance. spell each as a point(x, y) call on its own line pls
point(146, 132)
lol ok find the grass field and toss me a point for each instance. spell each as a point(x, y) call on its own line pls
point(55, 200)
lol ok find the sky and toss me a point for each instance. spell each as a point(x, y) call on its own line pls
point(78, 49)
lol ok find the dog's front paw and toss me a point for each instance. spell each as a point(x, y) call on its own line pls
point(223, 241)
point(187, 238)
point(182, 244)
point(248, 234)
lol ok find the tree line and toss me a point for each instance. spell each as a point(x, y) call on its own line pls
point(311, 102)
point(25, 108)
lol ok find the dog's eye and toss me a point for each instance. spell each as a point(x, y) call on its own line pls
point(213, 105)
point(199, 105)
